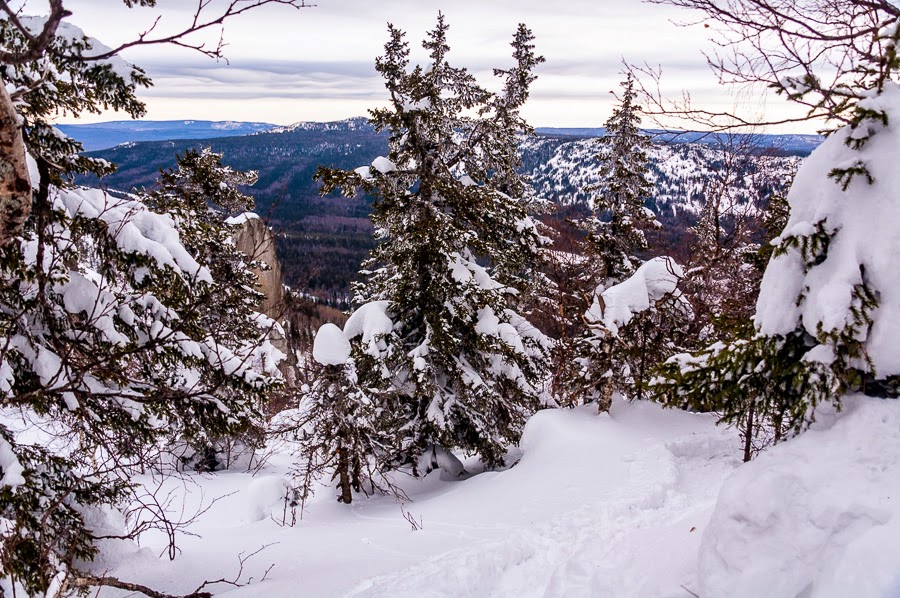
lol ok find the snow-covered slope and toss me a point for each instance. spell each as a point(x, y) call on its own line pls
point(817, 517)
point(641, 502)
point(595, 505)
point(684, 175)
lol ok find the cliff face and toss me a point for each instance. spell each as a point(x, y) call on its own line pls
point(257, 241)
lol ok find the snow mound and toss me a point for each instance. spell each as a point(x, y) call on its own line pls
point(264, 494)
point(818, 516)
point(655, 279)
point(372, 322)
point(331, 346)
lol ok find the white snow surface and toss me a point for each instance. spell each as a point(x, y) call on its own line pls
point(383, 165)
point(655, 279)
point(595, 505)
point(865, 217)
point(331, 346)
point(817, 517)
point(10, 469)
point(641, 502)
point(242, 218)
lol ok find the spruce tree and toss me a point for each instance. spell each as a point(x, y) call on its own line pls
point(458, 365)
point(199, 195)
point(339, 428)
point(615, 235)
point(619, 220)
point(115, 334)
point(825, 321)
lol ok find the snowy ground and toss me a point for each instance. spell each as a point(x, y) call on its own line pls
point(598, 505)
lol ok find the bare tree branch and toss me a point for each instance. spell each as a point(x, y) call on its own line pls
point(819, 54)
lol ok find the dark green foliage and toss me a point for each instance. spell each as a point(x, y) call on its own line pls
point(762, 385)
point(616, 230)
point(198, 195)
point(455, 248)
point(114, 350)
point(45, 515)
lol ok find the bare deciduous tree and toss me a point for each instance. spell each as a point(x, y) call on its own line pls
point(820, 54)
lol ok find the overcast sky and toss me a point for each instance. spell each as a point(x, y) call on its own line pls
point(316, 64)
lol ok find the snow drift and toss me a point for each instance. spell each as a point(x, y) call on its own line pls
point(818, 516)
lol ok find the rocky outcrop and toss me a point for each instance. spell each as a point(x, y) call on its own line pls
point(257, 241)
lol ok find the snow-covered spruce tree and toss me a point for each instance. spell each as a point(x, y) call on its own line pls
point(619, 220)
point(338, 430)
point(110, 337)
point(826, 318)
point(459, 366)
point(199, 195)
point(615, 234)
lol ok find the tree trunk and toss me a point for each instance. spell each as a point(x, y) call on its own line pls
point(605, 384)
point(748, 433)
point(346, 496)
point(15, 185)
point(604, 400)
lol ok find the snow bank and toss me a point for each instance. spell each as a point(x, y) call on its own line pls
point(865, 217)
point(265, 494)
point(331, 346)
point(818, 516)
point(654, 280)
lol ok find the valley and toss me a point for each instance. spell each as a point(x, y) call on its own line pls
point(322, 240)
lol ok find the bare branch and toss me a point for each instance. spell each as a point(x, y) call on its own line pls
point(200, 21)
point(819, 54)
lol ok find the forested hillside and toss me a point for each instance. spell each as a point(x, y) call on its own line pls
point(323, 239)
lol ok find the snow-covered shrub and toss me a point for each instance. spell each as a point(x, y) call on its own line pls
point(339, 429)
point(632, 326)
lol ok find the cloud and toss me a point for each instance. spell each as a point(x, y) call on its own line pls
point(321, 60)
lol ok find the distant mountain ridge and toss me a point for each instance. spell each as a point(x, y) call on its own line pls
point(795, 144)
point(99, 136)
point(105, 135)
point(321, 241)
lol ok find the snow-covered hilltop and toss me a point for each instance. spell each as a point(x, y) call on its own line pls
point(683, 174)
